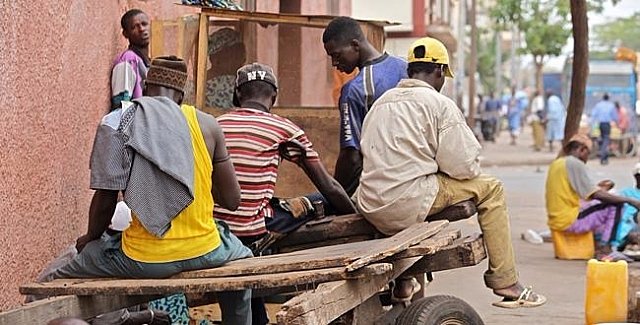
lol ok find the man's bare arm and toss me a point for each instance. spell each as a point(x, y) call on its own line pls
point(348, 169)
point(103, 205)
point(328, 186)
point(226, 189)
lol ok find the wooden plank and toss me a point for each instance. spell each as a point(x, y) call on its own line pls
point(201, 59)
point(319, 21)
point(399, 242)
point(42, 311)
point(326, 243)
point(321, 257)
point(157, 38)
point(330, 300)
point(429, 246)
point(467, 251)
point(168, 286)
point(329, 228)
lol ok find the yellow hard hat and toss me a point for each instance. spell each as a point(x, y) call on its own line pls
point(428, 49)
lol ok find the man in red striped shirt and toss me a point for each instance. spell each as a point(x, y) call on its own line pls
point(257, 141)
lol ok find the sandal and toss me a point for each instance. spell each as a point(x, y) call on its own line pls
point(524, 300)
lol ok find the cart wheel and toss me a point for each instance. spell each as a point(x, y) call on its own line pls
point(439, 310)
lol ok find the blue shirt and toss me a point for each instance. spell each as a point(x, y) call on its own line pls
point(604, 112)
point(357, 95)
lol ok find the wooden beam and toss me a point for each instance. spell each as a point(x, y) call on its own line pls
point(169, 286)
point(42, 311)
point(467, 251)
point(319, 21)
point(330, 300)
point(399, 242)
point(202, 53)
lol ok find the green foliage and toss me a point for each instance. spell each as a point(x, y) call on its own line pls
point(620, 32)
point(601, 55)
point(487, 60)
point(545, 24)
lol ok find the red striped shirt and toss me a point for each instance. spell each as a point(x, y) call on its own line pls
point(253, 140)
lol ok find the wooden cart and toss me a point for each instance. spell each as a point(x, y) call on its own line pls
point(334, 268)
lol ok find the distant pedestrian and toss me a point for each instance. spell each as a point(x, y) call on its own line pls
point(536, 119)
point(490, 115)
point(601, 116)
point(623, 117)
point(514, 117)
point(555, 118)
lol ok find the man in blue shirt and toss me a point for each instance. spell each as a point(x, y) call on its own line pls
point(602, 115)
point(349, 49)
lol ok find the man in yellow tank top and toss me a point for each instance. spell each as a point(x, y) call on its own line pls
point(171, 164)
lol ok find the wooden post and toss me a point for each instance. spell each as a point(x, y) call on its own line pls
point(201, 60)
point(157, 38)
point(180, 51)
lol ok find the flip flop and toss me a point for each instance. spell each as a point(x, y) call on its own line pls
point(522, 301)
point(415, 288)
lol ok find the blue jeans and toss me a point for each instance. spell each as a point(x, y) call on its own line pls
point(283, 221)
point(104, 258)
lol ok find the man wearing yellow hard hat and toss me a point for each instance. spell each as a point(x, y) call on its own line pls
point(419, 156)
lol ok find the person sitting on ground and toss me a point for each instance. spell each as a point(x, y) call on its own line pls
point(628, 219)
point(419, 157)
point(568, 182)
point(182, 172)
point(258, 140)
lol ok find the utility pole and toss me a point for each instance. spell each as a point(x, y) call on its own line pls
point(498, 67)
point(473, 63)
point(512, 59)
point(459, 80)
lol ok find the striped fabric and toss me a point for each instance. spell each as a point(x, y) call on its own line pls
point(253, 139)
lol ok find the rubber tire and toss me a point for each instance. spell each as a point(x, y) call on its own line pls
point(439, 310)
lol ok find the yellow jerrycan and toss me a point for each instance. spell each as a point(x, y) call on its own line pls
point(606, 296)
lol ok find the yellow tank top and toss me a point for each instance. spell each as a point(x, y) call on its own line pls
point(193, 232)
point(563, 203)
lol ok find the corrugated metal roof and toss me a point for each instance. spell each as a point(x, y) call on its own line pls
point(609, 67)
point(320, 21)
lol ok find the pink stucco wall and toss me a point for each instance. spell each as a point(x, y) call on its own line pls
point(54, 88)
point(54, 85)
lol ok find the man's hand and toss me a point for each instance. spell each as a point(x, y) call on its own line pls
point(82, 241)
point(635, 203)
point(606, 184)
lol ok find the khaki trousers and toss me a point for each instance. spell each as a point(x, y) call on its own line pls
point(538, 135)
point(488, 194)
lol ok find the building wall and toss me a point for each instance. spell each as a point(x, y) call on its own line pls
point(54, 88)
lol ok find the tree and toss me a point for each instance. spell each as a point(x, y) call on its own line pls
point(580, 65)
point(619, 32)
point(487, 60)
point(544, 24)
